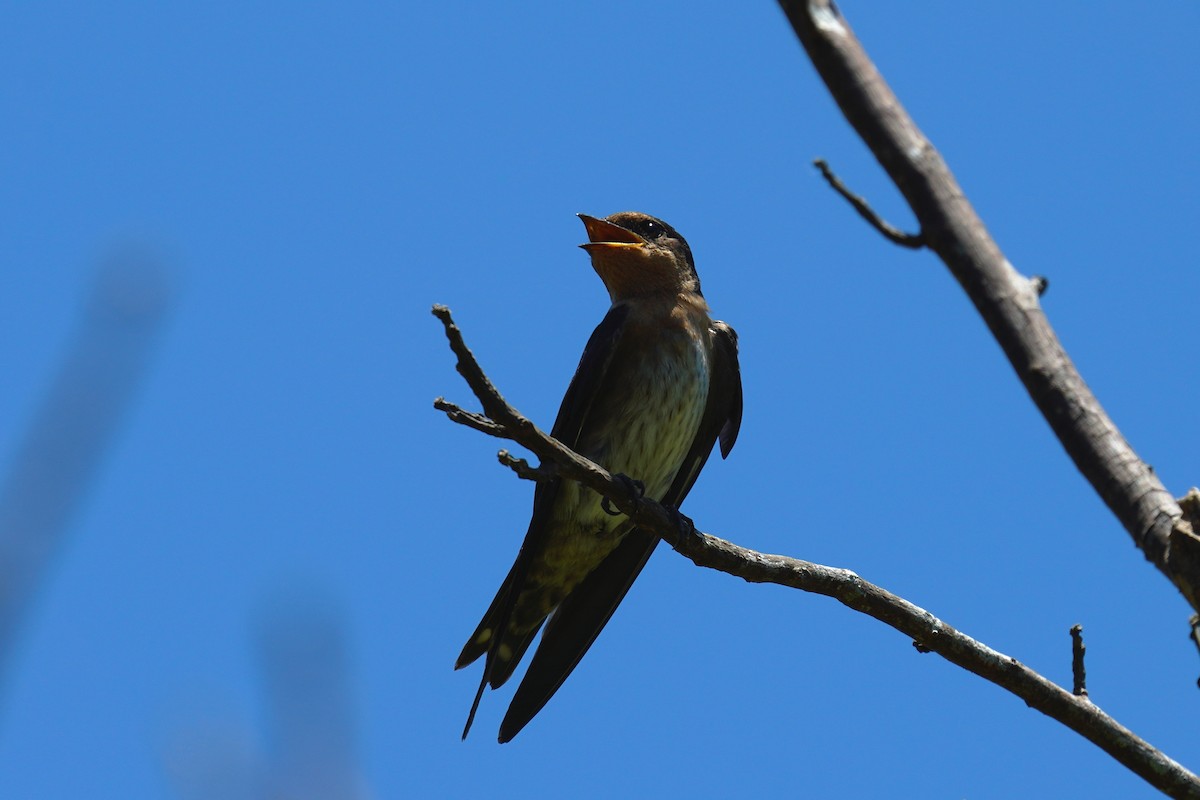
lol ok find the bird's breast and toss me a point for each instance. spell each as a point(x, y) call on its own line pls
point(642, 423)
point(646, 418)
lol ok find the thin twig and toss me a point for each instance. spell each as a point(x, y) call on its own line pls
point(914, 241)
point(519, 428)
point(493, 404)
point(523, 469)
point(469, 418)
point(1078, 673)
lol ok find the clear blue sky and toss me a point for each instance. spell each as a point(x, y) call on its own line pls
point(316, 176)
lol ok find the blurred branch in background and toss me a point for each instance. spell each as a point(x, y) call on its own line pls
point(310, 751)
point(302, 651)
point(73, 429)
point(215, 759)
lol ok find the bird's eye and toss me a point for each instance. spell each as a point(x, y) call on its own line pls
point(648, 229)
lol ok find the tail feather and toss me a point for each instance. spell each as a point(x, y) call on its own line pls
point(496, 638)
point(497, 669)
point(504, 664)
point(479, 643)
point(474, 705)
point(574, 627)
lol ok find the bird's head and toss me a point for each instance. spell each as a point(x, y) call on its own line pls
point(636, 255)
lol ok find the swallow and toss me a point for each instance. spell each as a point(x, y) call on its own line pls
point(657, 386)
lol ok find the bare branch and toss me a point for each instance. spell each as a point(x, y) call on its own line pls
point(520, 429)
point(928, 633)
point(493, 404)
point(1007, 301)
point(893, 234)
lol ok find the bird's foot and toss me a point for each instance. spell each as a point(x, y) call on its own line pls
point(683, 524)
point(635, 487)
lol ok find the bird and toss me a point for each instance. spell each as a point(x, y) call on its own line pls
point(657, 386)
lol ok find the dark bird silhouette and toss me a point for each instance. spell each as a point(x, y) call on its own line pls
point(657, 386)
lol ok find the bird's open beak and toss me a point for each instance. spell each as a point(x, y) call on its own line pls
point(605, 235)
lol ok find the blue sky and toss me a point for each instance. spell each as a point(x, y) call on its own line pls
point(314, 177)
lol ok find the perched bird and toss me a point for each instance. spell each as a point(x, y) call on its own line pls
point(657, 385)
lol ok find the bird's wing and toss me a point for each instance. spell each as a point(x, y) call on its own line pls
point(589, 376)
point(492, 631)
point(584, 613)
point(722, 416)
